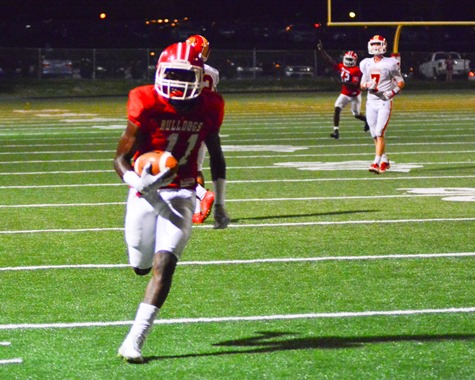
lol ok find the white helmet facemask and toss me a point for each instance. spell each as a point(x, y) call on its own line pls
point(179, 80)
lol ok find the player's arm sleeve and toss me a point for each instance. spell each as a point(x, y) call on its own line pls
point(216, 156)
point(364, 77)
point(398, 78)
point(216, 80)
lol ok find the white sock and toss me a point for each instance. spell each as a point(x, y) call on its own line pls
point(143, 322)
point(384, 158)
point(197, 206)
point(377, 159)
point(200, 191)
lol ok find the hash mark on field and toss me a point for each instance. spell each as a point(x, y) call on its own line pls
point(11, 361)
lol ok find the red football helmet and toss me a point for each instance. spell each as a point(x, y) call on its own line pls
point(350, 58)
point(200, 43)
point(179, 72)
point(377, 45)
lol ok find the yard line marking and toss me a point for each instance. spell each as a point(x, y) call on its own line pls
point(11, 361)
point(303, 224)
point(77, 266)
point(74, 161)
point(373, 178)
point(292, 165)
point(253, 261)
point(63, 205)
point(330, 258)
point(287, 156)
point(254, 225)
point(247, 181)
point(293, 155)
point(445, 143)
point(377, 313)
point(305, 166)
point(306, 199)
point(264, 122)
point(62, 230)
point(59, 172)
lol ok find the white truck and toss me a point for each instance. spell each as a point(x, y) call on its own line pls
point(435, 67)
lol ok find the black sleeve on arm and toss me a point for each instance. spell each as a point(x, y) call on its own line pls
point(216, 156)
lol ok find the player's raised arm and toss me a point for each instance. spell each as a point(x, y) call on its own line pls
point(326, 57)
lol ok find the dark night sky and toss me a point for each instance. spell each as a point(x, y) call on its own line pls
point(30, 10)
point(68, 23)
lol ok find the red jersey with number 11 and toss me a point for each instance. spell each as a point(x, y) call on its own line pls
point(163, 128)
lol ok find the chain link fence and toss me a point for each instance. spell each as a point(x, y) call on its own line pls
point(97, 64)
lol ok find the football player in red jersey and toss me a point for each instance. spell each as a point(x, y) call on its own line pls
point(350, 75)
point(383, 80)
point(210, 80)
point(175, 115)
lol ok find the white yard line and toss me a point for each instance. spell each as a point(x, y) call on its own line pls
point(300, 199)
point(254, 225)
point(287, 156)
point(267, 140)
point(254, 261)
point(276, 317)
point(275, 166)
point(248, 181)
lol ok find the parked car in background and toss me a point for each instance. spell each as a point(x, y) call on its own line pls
point(299, 72)
point(248, 71)
point(435, 67)
point(57, 68)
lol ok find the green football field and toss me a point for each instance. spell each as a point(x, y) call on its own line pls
point(327, 271)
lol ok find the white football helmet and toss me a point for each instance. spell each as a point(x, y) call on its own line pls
point(377, 45)
point(350, 58)
point(179, 73)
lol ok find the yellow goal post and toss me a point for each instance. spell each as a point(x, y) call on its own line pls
point(398, 24)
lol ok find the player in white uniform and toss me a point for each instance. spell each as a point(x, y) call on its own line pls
point(383, 80)
point(210, 81)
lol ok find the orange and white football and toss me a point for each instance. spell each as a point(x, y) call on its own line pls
point(160, 160)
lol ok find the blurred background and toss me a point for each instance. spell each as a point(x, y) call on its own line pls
point(268, 39)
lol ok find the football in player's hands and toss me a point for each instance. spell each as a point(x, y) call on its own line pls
point(160, 160)
point(372, 86)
